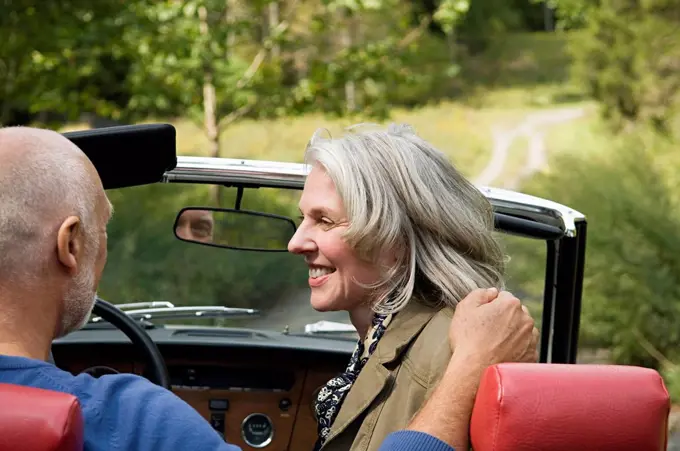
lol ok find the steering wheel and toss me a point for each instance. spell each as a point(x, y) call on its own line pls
point(158, 371)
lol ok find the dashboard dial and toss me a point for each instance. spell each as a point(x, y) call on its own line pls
point(257, 430)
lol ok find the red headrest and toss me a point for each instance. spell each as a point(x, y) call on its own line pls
point(39, 420)
point(551, 407)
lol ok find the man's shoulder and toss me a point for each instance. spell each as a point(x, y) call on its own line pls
point(124, 384)
point(116, 395)
point(88, 388)
point(132, 392)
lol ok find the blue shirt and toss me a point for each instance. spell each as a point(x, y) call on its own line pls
point(127, 412)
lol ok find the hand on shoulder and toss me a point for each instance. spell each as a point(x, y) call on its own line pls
point(491, 327)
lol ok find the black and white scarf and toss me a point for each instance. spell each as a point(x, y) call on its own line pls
point(331, 396)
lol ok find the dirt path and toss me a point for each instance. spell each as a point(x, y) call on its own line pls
point(533, 128)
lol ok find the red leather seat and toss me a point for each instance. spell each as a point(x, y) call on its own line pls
point(551, 407)
point(33, 419)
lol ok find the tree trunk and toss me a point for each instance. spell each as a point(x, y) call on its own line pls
point(209, 103)
point(348, 37)
point(273, 21)
point(229, 22)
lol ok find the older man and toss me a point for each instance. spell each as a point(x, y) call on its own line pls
point(53, 216)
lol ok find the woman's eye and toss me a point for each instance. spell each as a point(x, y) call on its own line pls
point(326, 221)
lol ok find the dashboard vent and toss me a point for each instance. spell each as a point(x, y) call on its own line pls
point(225, 333)
point(218, 377)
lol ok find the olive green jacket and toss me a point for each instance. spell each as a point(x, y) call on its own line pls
point(397, 379)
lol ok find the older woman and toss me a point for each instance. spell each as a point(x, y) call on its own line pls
point(396, 236)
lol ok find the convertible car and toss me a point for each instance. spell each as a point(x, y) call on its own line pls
point(201, 297)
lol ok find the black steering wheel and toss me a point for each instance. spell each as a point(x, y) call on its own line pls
point(158, 371)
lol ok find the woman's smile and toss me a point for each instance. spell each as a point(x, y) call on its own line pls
point(319, 275)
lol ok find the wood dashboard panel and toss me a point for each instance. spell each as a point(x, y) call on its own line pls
point(243, 404)
point(287, 404)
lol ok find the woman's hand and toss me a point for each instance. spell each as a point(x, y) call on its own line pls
point(490, 327)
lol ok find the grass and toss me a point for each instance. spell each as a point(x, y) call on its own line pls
point(580, 135)
point(462, 133)
point(517, 154)
point(584, 135)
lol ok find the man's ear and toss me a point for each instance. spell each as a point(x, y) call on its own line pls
point(70, 243)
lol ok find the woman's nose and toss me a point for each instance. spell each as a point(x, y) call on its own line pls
point(301, 242)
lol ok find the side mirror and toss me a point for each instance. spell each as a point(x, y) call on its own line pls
point(234, 229)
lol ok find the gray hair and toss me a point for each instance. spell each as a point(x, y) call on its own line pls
point(44, 181)
point(400, 193)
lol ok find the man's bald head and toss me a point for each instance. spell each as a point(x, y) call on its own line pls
point(44, 178)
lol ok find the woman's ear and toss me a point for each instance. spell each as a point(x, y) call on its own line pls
point(70, 243)
point(397, 253)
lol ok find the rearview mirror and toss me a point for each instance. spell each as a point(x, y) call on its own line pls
point(234, 229)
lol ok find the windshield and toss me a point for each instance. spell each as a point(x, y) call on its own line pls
point(147, 262)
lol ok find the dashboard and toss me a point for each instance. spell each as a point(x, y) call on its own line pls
point(254, 388)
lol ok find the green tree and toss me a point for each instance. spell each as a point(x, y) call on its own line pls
point(571, 13)
point(61, 56)
point(483, 20)
point(632, 280)
point(217, 62)
point(628, 58)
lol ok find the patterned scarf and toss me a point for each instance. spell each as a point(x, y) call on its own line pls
point(331, 396)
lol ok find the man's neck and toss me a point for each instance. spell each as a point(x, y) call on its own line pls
point(23, 350)
point(26, 327)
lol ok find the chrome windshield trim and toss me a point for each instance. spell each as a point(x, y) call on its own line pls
point(185, 312)
point(138, 305)
point(292, 176)
point(229, 170)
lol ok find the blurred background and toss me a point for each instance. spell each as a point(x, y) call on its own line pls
point(571, 100)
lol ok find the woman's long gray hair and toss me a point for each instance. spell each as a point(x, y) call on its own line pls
point(402, 194)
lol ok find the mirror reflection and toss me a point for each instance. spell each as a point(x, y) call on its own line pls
point(195, 225)
point(234, 229)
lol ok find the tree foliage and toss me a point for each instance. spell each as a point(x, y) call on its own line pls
point(632, 286)
point(62, 57)
point(628, 58)
point(132, 60)
point(571, 13)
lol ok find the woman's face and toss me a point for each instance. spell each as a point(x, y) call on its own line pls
point(334, 267)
